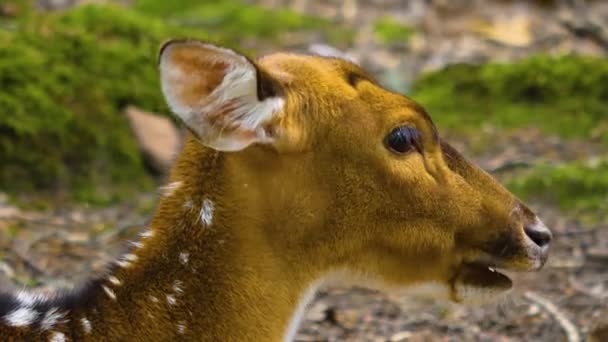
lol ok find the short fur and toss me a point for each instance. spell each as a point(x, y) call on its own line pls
point(240, 237)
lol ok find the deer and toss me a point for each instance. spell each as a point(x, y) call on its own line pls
point(297, 171)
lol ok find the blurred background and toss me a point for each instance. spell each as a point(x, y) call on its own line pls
point(520, 87)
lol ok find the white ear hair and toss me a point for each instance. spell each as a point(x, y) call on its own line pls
point(215, 92)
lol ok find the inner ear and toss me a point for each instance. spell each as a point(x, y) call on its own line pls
point(222, 96)
point(267, 86)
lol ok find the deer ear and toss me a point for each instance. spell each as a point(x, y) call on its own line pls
point(222, 96)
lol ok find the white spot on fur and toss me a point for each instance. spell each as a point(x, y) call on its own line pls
point(123, 263)
point(130, 257)
point(109, 292)
point(147, 234)
point(114, 280)
point(137, 244)
point(86, 325)
point(170, 188)
point(188, 204)
point(181, 327)
point(153, 299)
point(184, 257)
point(177, 287)
point(171, 300)
point(30, 299)
point(21, 317)
point(126, 260)
point(57, 337)
point(207, 212)
point(52, 317)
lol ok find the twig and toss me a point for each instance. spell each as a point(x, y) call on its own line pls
point(582, 25)
point(569, 327)
point(575, 232)
point(37, 271)
point(35, 221)
point(121, 229)
point(511, 165)
point(578, 286)
point(587, 29)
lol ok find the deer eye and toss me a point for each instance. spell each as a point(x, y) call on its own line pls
point(403, 139)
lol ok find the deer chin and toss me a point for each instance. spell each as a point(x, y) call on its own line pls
point(479, 283)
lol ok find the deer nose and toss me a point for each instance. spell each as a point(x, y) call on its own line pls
point(539, 234)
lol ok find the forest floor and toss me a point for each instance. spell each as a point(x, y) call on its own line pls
point(60, 247)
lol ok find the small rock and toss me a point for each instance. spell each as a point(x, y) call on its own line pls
point(55, 4)
point(349, 319)
point(598, 254)
point(157, 137)
point(77, 237)
point(329, 51)
point(401, 336)
point(317, 312)
point(8, 212)
point(533, 310)
point(7, 270)
point(512, 31)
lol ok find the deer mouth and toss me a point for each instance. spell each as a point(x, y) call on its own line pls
point(479, 282)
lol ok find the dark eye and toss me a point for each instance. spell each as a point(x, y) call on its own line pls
point(353, 79)
point(403, 139)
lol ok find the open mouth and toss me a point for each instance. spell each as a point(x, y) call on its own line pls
point(481, 275)
point(479, 282)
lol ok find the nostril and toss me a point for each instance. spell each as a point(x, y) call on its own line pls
point(538, 233)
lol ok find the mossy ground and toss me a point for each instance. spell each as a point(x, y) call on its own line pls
point(65, 79)
point(565, 96)
point(67, 76)
point(576, 187)
point(239, 21)
point(390, 31)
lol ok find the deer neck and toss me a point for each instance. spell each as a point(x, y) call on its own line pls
point(205, 269)
point(210, 261)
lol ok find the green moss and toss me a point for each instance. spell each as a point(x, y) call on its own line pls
point(565, 95)
point(165, 8)
point(575, 187)
point(389, 31)
point(237, 20)
point(65, 80)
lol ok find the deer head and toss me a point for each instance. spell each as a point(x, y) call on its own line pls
point(298, 170)
point(347, 176)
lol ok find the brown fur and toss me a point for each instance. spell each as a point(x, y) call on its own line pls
point(327, 196)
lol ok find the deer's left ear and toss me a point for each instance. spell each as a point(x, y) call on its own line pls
point(222, 96)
